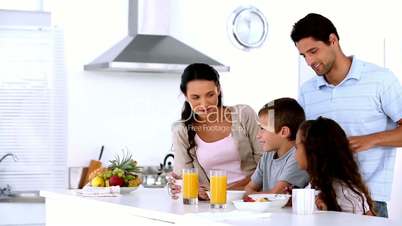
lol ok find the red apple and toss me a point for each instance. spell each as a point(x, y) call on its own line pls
point(116, 181)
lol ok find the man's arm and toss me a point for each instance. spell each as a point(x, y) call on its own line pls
point(390, 138)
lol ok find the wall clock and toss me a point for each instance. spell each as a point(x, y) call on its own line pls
point(247, 27)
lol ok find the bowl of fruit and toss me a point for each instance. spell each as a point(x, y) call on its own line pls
point(262, 202)
point(123, 171)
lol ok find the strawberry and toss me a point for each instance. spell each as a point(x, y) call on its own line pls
point(248, 199)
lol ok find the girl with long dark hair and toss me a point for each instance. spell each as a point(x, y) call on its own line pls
point(211, 135)
point(323, 151)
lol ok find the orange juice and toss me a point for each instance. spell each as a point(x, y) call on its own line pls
point(218, 189)
point(190, 185)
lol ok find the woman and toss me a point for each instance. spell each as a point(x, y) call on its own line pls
point(211, 135)
point(323, 151)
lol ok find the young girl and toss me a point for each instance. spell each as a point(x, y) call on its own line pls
point(211, 135)
point(323, 151)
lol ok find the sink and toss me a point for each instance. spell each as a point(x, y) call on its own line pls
point(22, 197)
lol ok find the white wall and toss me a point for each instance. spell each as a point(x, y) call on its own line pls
point(136, 110)
point(111, 109)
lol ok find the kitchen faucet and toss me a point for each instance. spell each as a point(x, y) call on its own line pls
point(9, 154)
point(7, 190)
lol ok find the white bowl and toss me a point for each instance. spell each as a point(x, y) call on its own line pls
point(127, 190)
point(276, 201)
point(231, 195)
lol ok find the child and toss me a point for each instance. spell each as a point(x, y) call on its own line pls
point(323, 150)
point(278, 169)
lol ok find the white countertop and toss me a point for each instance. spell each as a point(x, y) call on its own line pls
point(154, 203)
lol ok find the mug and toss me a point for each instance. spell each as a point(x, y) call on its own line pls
point(303, 201)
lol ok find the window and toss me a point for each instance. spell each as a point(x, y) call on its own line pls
point(33, 122)
point(29, 5)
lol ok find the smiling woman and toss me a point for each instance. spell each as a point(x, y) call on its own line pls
point(211, 135)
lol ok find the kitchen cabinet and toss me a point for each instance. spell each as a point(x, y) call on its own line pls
point(22, 214)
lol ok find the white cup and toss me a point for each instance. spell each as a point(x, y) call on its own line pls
point(303, 201)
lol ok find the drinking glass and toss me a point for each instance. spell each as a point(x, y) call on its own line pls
point(218, 184)
point(190, 186)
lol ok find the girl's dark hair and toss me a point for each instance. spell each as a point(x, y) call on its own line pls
point(329, 159)
point(196, 71)
point(313, 25)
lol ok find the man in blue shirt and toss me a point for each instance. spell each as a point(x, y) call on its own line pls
point(365, 99)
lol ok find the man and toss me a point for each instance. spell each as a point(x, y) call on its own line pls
point(365, 99)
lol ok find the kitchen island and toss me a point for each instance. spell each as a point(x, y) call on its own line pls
point(153, 206)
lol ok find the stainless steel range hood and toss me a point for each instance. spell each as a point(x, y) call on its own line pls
point(149, 47)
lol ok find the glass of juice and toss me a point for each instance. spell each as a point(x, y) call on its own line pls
point(218, 183)
point(190, 186)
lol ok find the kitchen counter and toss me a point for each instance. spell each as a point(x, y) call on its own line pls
point(147, 206)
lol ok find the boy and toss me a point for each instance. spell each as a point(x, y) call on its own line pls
point(278, 169)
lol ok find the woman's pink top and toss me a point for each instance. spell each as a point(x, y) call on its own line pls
point(222, 154)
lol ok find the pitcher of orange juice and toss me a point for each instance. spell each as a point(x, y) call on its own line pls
point(190, 186)
point(218, 183)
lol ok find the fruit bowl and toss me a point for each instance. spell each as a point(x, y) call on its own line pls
point(123, 172)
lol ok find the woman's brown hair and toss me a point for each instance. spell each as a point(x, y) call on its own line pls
point(196, 71)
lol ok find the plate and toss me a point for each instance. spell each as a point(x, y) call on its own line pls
point(127, 190)
point(276, 202)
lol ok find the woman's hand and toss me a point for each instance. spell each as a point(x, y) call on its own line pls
point(173, 188)
point(202, 193)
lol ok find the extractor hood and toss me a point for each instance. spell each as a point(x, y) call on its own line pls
point(149, 47)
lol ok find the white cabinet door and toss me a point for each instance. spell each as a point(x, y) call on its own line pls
point(22, 214)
